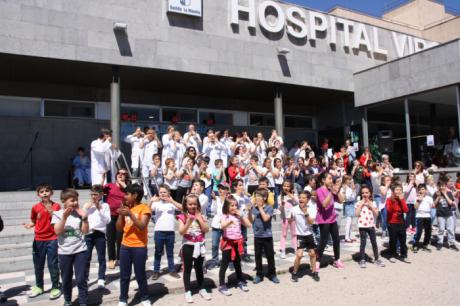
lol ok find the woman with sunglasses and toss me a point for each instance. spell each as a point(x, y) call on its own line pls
point(114, 195)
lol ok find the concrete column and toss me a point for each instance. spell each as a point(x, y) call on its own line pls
point(365, 127)
point(408, 135)
point(115, 106)
point(457, 95)
point(279, 116)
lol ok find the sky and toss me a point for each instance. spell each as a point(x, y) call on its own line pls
point(372, 7)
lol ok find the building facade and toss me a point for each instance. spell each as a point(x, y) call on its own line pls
point(241, 64)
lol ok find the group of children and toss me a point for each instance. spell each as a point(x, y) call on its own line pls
point(240, 193)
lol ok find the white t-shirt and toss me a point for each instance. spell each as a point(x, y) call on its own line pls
point(164, 214)
point(72, 241)
point(268, 174)
point(172, 183)
point(243, 202)
point(216, 210)
point(424, 210)
point(204, 201)
point(301, 223)
point(99, 218)
point(280, 179)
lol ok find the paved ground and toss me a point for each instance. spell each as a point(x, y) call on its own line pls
point(332, 290)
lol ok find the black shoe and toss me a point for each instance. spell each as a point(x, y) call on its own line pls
point(315, 276)
point(426, 248)
point(294, 278)
point(155, 276)
point(247, 259)
point(454, 247)
point(439, 247)
point(3, 297)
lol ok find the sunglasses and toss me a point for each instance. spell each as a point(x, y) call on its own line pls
point(122, 173)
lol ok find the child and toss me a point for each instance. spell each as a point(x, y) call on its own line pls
point(198, 187)
point(164, 209)
point(187, 174)
point(98, 218)
point(304, 215)
point(218, 174)
point(423, 206)
point(193, 227)
point(444, 200)
point(156, 174)
point(45, 242)
point(71, 224)
point(206, 176)
point(171, 176)
point(367, 211)
point(261, 218)
point(349, 192)
point(231, 244)
point(216, 210)
point(287, 200)
point(410, 193)
point(396, 208)
point(133, 220)
point(244, 202)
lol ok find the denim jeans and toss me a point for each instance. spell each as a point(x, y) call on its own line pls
point(383, 218)
point(97, 240)
point(69, 263)
point(216, 235)
point(446, 224)
point(41, 251)
point(162, 239)
point(128, 258)
point(423, 224)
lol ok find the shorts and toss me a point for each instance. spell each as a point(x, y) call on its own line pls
point(306, 242)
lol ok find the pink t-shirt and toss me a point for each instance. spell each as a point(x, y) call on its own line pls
point(366, 218)
point(194, 232)
point(325, 215)
point(232, 232)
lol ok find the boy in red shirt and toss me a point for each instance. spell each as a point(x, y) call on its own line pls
point(45, 244)
point(396, 208)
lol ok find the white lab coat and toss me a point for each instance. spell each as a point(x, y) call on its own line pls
point(100, 160)
point(136, 151)
point(150, 148)
point(215, 151)
point(193, 141)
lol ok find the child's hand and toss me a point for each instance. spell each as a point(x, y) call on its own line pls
point(87, 206)
point(28, 225)
point(67, 212)
point(155, 198)
point(81, 212)
point(124, 211)
point(238, 213)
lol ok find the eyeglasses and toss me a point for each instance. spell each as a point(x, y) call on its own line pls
point(122, 173)
point(95, 194)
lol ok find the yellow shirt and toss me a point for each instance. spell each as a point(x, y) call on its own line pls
point(132, 235)
point(270, 200)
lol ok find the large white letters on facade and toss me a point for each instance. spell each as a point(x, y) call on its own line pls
point(296, 17)
point(250, 9)
point(276, 26)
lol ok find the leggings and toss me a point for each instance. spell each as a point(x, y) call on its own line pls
point(410, 218)
point(181, 193)
point(113, 239)
point(288, 223)
point(189, 263)
point(363, 232)
point(325, 230)
point(226, 258)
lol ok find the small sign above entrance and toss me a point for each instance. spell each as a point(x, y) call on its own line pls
point(186, 7)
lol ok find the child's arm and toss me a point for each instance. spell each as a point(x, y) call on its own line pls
point(265, 217)
point(202, 222)
point(139, 223)
point(120, 223)
point(225, 223)
point(177, 205)
point(183, 227)
point(245, 222)
point(59, 227)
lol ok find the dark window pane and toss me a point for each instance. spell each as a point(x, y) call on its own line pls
point(298, 122)
point(261, 120)
point(179, 115)
point(217, 118)
point(69, 109)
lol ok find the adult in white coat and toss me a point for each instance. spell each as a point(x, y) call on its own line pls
point(101, 156)
point(192, 138)
point(134, 140)
point(150, 145)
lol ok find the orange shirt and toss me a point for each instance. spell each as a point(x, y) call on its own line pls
point(132, 235)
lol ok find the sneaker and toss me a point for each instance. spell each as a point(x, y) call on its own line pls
point(379, 263)
point(224, 290)
point(315, 276)
point(205, 295)
point(362, 264)
point(155, 276)
point(146, 303)
point(100, 284)
point(55, 294)
point(188, 297)
point(414, 248)
point(426, 248)
point(454, 247)
point(243, 286)
point(35, 291)
point(439, 247)
point(122, 304)
point(274, 279)
point(174, 274)
point(283, 255)
point(339, 264)
point(246, 258)
point(294, 278)
point(276, 212)
point(257, 280)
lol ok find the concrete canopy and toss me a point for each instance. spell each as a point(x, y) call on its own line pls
point(421, 72)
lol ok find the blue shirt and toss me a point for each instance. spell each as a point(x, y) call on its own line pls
point(262, 229)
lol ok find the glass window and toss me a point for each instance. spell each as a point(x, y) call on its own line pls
point(212, 118)
point(177, 115)
point(17, 107)
point(69, 109)
point(262, 120)
point(135, 113)
point(298, 122)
